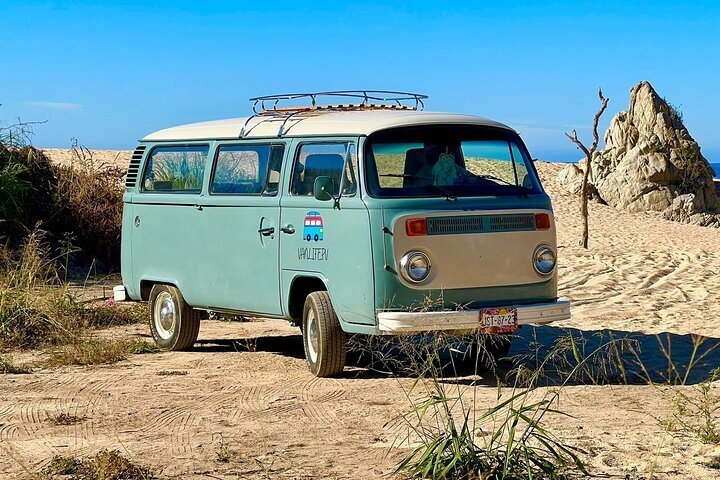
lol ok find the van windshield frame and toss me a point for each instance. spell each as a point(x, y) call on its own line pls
point(448, 161)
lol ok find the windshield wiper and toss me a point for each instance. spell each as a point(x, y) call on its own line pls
point(490, 177)
point(449, 196)
point(521, 190)
point(446, 193)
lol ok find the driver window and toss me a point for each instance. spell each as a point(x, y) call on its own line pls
point(335, 160)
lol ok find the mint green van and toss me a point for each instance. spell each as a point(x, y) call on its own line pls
point(372, 217)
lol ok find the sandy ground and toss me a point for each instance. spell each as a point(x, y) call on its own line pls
point(245, 385)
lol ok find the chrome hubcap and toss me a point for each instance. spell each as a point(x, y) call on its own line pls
point(313, 336)
point(165, 315)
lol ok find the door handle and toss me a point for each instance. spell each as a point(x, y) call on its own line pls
point(267, 231)
point(289, 229)
point(198, 207)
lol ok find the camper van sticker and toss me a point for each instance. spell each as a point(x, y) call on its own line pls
point(313, 228)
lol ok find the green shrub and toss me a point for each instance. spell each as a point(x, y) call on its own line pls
point(27, 186)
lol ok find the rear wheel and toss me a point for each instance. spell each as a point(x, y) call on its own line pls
point(173, 323)
point(323, 339)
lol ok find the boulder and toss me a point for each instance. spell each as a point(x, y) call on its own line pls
point(649, 160)
point(688, 209)
point(570, 177)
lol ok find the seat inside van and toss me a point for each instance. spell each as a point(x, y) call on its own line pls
point(320, 165)
point(414, 161)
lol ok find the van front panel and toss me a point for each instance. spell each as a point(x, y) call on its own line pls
point(467, 270)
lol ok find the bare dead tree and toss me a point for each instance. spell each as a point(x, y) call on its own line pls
point(585, 190)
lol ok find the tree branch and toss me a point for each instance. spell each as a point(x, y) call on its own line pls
point(574, 138)
point(604, 102)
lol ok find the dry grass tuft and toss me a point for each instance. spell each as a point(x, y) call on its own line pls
point(37, 309)
point(696, 411)
point(64, 419)
point(88, 203)
point(94, 350)
point(171, 373)
point(89, 351)
point(713, 463)
point(7, 365)
point(105, 465)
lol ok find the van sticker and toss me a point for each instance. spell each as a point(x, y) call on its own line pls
point(313, 227)
point(317, 254)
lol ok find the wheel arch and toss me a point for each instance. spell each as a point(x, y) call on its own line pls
point(146, 286)
point(300, 287)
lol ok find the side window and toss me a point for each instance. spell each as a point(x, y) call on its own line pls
point(523, 174)
point(247, 169)
point(175, 169)
point(335, 160)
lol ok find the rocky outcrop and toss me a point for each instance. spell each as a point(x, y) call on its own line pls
point(687, 209)
point(649, 161)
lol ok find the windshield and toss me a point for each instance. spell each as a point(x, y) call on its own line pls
point(448, 161)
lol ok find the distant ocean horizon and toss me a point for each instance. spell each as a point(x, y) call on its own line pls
point(716, 167)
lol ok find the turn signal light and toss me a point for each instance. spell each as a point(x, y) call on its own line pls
point(542, 221)
point(416, 227)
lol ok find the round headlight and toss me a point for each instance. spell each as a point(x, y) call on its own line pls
point(544, 259)
point(415, 266)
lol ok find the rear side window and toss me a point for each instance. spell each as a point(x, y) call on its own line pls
point(247, 169)
point(176, 169)
point(335, 160)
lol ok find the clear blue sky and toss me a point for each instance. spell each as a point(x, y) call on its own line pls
point(110, 72)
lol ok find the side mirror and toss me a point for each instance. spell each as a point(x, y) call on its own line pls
point(323, 188)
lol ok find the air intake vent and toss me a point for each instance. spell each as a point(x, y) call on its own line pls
point(450, 225)
point(511, 223)
point(480, 224)
point(132, 173)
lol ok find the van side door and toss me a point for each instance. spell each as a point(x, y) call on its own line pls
point(328, 239)
point(239, 270)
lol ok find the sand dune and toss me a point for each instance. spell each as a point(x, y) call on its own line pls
point(642, 274)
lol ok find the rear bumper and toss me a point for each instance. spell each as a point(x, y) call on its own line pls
point(466, 320)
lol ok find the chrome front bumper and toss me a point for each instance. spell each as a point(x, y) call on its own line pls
point(467, 320)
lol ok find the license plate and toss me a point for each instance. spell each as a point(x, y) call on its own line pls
point(498, 320)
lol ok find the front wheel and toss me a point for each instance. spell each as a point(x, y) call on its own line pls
point(324, 341)
point(173, 323)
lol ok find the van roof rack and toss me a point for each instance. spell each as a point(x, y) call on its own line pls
point(270, 106)
point(386, 100)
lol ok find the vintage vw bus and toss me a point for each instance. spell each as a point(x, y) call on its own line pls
point(373, 217)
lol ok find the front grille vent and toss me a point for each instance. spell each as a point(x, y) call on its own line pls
point(480, 224)
point(511, 223)
point(132, 173)
point(450, 225)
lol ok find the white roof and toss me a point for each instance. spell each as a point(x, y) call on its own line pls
point(316, 123)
